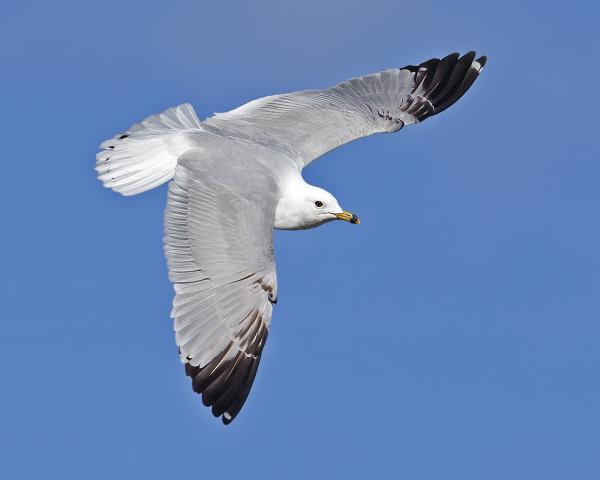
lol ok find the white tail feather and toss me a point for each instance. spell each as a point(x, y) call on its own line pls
point(145, 156)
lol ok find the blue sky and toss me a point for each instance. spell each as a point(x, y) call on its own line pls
point(453, 335)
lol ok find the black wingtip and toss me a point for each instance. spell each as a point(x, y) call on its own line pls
point(225, 381)
point(444, 82)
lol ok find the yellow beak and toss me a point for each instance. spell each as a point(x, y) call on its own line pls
point(348, 217)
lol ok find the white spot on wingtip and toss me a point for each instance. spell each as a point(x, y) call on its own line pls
point(226, 416)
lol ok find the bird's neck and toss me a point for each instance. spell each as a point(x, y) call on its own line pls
point(291, 211)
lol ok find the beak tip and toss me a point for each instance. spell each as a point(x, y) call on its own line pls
point(348, 217)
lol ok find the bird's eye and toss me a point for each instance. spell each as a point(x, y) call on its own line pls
point(318, 203)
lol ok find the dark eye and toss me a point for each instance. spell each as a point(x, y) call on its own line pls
point(318, 203)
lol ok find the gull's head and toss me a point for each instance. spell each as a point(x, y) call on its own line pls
point(306, 206)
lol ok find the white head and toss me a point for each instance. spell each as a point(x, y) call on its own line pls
point(305, 206)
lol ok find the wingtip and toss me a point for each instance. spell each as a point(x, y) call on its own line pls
point(226, 418)
point(469, 56)
point(454, 55)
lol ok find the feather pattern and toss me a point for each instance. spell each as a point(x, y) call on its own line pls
point(220, 255)
point(313, 122)
point(145, 156)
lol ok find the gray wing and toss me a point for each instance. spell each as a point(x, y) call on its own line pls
point(218, 243)
point(311, 123)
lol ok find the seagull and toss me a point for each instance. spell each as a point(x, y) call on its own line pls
point(237, 175)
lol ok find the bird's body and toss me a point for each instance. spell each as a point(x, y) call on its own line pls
point(238, 175)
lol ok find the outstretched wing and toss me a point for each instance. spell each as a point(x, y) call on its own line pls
point(313, 122)
point(218, 243)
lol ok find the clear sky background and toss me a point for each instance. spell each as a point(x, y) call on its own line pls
point(452, 335)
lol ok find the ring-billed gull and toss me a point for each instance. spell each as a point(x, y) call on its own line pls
point(236, 176)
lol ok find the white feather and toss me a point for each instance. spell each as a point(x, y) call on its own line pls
point(145, 156)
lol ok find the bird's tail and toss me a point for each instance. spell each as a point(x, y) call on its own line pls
point(145, 156)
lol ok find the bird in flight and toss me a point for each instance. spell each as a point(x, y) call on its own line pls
point(236, 176)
